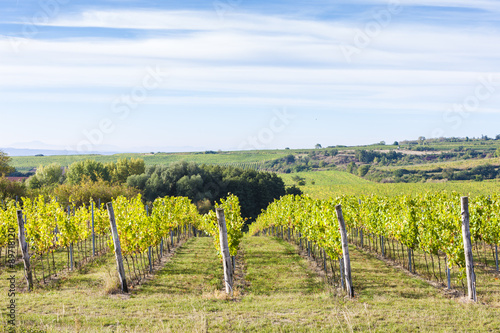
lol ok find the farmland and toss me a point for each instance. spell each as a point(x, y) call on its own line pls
point(277, 288)
point(237, 159)
point(325, 184)
point(282, 292)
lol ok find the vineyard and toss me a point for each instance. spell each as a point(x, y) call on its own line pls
point(416, 231)
point(60, 238)
point(327, 184)
point(421, 233)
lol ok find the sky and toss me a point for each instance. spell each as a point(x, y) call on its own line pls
point(133, 75)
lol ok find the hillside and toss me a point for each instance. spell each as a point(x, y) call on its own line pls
point(430, 161)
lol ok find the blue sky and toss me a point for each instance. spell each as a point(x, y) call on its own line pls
point(237, 74)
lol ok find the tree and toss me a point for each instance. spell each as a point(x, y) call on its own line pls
point(256, 190)
point(363, 170)
point(5, 168)
point(497, 153)
point(294, 190)
point(11, 190)
point(396, 143)
point(421, 140)
point(87, 170)
point(46, 176)
point(318, 146)
point(124, 168)
point(351, 167)
point(290, 159)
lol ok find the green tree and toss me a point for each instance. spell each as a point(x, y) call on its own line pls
point(5, 168)
point(87, 170)
point(351, 167)
point(46, 176)
point(318, 146)
point(210, 182)
point(497, 153)
point(124, 168)
point(11, 190)
point(363, 170)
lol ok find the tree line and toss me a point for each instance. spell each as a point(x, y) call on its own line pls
point(204, 185)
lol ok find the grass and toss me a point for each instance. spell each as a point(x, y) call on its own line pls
point(329, 184)
point(241, 158)
point(282, 295)
point(461, 165)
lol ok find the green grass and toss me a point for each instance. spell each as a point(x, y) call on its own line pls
point(282, 295)
point(242, 158)
point(335, 183)
point(461, 164)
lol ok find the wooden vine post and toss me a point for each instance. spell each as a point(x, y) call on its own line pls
point(25, 250)
point(118, 249)
point(224, 247)
point(345, 251)
point(93, 231)
point(469, 260)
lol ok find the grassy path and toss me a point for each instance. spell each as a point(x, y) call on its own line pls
point(282, 295)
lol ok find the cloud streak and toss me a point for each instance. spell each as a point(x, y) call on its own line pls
point(253, 60)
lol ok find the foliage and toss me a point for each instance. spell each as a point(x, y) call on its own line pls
point(234, 224)
point(46, 176)
point(11, 190)
point(430, 222)
point(208, 182)
point(87, 170)
point(5, 167)
point(123, 168)
point(314, 219)
point(8, 221)
point(99, 191)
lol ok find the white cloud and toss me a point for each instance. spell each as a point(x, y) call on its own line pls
point(254, 59)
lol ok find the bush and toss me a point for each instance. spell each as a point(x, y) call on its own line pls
point(81, 194)
point(363, 170)
point(11, 190)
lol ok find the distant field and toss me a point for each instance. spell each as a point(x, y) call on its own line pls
point(333, 183)
point(462, 164)
point(244, 159)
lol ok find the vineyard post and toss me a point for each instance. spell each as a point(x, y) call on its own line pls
point(345, 251)
point(71, 255)
point(448, 272)
point(149, 258)
point(469, 260)
point(93, 231)
point(25, 250)
point(496, 256)
point(324, 262)
point(361, 229)
point(149, 248)
point(224, 246)
point(409, 261)
point(342, 271)
point(382, 245)
point(118, 249)
point(70, 245)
